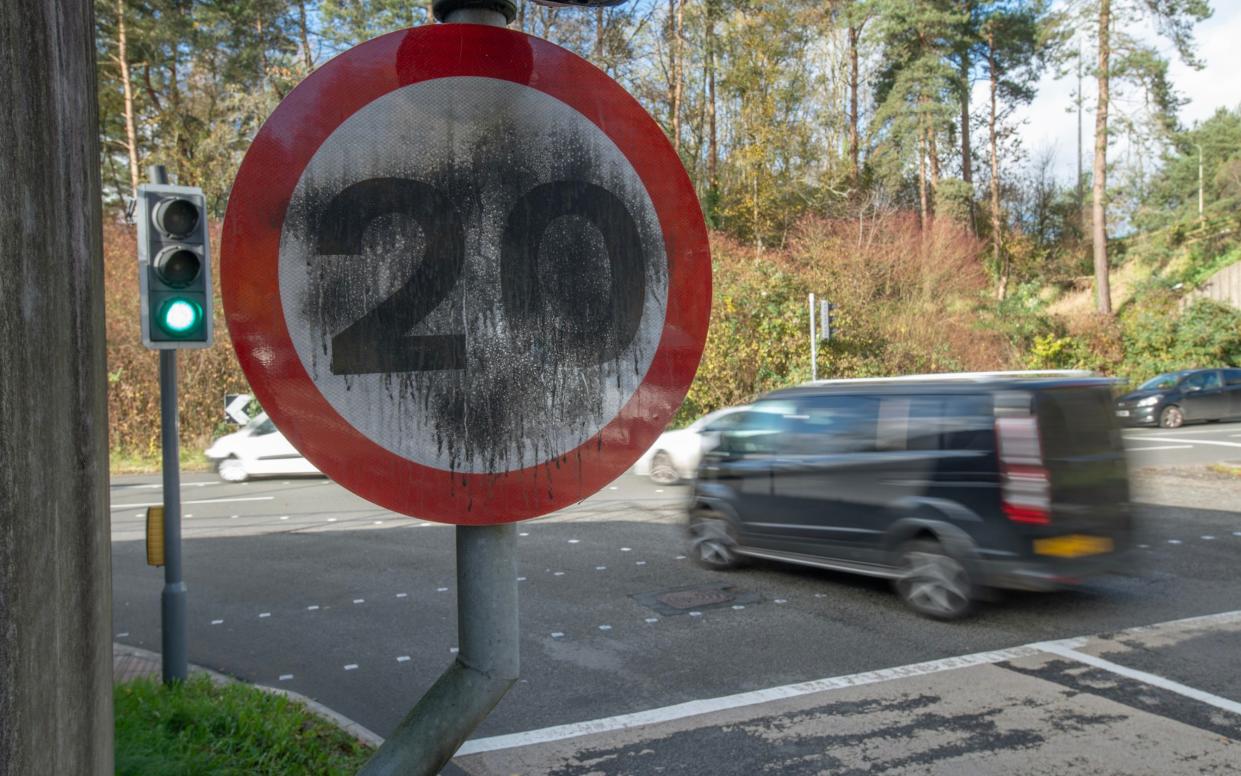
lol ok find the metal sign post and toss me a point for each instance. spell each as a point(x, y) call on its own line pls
point(814, 344)
point(172, 598)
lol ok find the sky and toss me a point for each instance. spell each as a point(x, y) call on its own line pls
point(1050, 126)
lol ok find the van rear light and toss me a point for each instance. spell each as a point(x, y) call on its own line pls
point(1026, 491)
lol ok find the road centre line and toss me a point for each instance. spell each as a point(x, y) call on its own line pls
point(1142, 676)
point(1190, 441)
point(207, 501)
point(1158, 447)
point(1062, 647)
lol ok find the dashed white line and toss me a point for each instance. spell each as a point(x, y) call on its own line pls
point(738, 607)
point(640, 563)
point(402, 595)
point(217, 622)
point(574, 541)
point(331, 520)
point(379, 522)
point(453, 650)
point(625, 549)
point(557, 573)
point(264, 614)
point(1192, 441)
point(286, 677)
point(601, 568)
point(605, 627)
point(695, 614)
point(782, 600)
point(403, 659)
point(523, 534)
point(312, 608)
point(441, 590)
point(1174, 541)
point(351, 667)
point(1208, 537)
point(284, 517)
point(680, 557)
point(652, 619)
point(122, 635)
point(557, 634)
point(521, 579)
point(1158, 447)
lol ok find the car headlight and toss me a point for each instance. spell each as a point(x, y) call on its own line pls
point(1149, 400)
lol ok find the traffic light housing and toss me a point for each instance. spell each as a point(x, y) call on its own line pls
point(174, 267)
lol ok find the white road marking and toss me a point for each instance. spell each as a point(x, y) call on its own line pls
point(557, 635)
point(331, 520)
point(755, 697)
point(558, 574)
point(403, 659)
point(659, 490)
point(523, 534)
point(312, 608)
point(652, 619)
point(574, 541)
point(521, 579)
point(738, 607)
point(379, 522)
point(402, 595)
point(187, 514)
point(359, 600)
point(137, 514)
point(1192, 441)
point(640, 563)
point(206, 501)
point(1236, 533)
point(424, 525)
point(1144, 546)
point(625, 549)
point(782, 600)
point(1158, 447)
point(351, 667)
point(695, 614)
point(680, 557)
point(122, 635)
point(441, 590)
point(605, 627)
point(453, 650)
point(286, 677)
point(1174, 541)
point(1208, 537)
point(284, 517)
point(217, 622)
point(1154, 680)
point(601, 568)
point(264, 614)
point(233, 517)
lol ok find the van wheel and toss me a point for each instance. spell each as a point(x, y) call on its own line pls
point(232, 470)
point(712, 544)
point(1171, 417)
point(932, 582)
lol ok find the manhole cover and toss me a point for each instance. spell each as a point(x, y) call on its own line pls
point(680, 600)
point(695, 599)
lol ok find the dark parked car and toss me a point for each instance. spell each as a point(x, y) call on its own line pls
point(1177, 398)
point(946, 484)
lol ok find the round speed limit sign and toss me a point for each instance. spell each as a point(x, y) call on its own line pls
point(465, 274)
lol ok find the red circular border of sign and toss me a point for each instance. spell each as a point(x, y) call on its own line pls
point(250, 254)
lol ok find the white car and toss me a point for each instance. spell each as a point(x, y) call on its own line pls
point(675, 455)
point(257, 450)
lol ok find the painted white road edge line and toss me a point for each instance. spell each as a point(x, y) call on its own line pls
point(207, 501)
point(710, 705)
point(1158, 447)
point(1146, 678)
point(1190, 441)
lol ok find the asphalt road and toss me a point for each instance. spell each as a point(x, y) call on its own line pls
point(298, 584)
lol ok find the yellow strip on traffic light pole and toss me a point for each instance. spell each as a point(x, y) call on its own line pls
point(155, 536)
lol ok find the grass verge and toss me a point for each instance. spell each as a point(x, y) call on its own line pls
point(1227, 469)
point(123, 462)
point(201, 727)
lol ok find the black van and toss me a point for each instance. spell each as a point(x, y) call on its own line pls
point(945, 484)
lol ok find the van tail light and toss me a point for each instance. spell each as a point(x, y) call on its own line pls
point(1026, 490)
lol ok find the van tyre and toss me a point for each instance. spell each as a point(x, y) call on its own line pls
point(712, 544)
point(1171, 417)
point(932, 582)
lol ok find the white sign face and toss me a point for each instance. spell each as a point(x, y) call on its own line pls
point(473, 275)
point(236, 408)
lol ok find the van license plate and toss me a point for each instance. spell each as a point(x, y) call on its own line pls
point(1073, 546)
point(1122, 413)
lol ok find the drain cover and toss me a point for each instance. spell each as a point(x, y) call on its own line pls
point(695, 599)
point(680, 600)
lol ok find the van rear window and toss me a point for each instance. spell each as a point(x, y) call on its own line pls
point(1076, 421)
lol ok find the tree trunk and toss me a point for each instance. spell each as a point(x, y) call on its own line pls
point(855, 34)
point(933, 156)
point(967, 152)
point(56, 713)
point(713, 148)
point(1001, 266)
point(599, 36)
point(131, 135)
point(676, 16)
point(1103, 289)
point(924, 209)
point(304, 31)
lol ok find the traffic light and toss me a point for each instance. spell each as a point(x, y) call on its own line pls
point(174, 267)
point(827, 321)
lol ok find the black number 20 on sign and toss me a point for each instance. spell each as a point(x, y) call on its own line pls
point(379, 343)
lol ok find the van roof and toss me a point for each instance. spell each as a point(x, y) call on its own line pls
point(957, 382)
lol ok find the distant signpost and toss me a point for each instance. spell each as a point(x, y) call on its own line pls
point(466, 274)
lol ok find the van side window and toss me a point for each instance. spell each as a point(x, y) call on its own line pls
point(826, 425)
point(935, 423)
point(758, 431)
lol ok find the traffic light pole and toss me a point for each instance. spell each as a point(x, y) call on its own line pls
point(172, 599)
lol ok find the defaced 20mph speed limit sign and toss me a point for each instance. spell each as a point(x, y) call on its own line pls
point(466, 274)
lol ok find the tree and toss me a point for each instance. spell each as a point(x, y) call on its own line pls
point(1121, 59)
